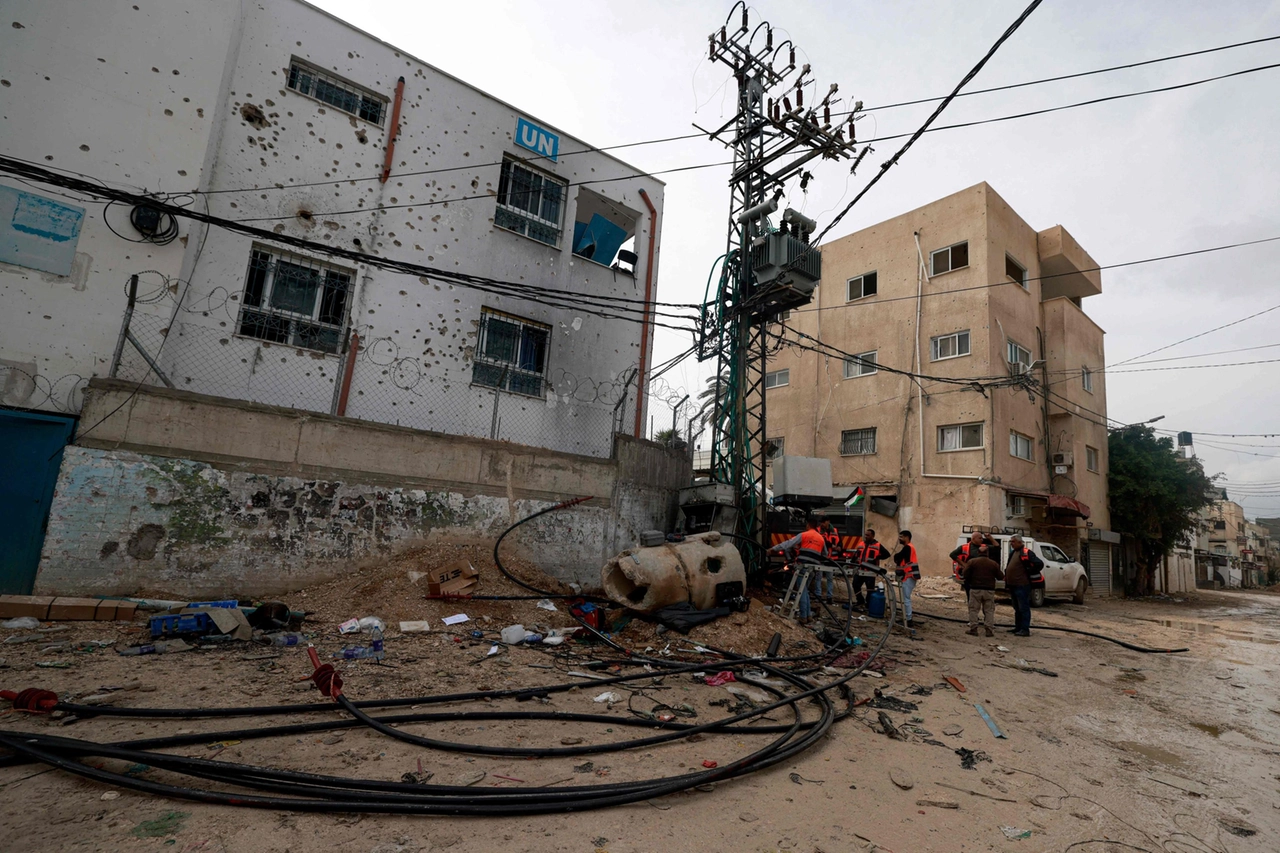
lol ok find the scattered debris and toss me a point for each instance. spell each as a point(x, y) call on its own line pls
point(887, 726)
point(1237, 827)
point(969, 758)
point(570, 741)
point(709, 764)
point(938, 804)
point(21, 622)
point(954, 682)
point(719, 679)
point(1013, 833)
point(456, 619)
point(545, 604)
point(892, 703)
point(417, 626)
point(901, 778)
point(991, 724)
point(475, 777)
point(608, 696)
point(799, 780)
point(952, 730)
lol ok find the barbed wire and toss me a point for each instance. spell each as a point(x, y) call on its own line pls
point(28, 390)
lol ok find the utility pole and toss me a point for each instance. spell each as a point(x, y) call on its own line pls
point(766, 270)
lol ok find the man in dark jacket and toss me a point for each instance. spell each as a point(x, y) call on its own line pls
point(980, 576)
point(870, 551)
point(1023, 566)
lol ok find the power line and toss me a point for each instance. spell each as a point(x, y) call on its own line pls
point(587, 303)
point(860, 303)
point(698, 135)
point(1209, 331)
point(1204, 354)
point(892, 161)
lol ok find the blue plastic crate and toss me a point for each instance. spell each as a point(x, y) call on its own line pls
point(168, 624)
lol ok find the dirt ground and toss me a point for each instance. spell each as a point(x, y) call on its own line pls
point(1119, 751)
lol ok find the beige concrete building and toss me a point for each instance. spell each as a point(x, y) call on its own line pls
point(962, 288)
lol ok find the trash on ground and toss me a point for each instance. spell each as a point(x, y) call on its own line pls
point(21, 622)
point(456, 619)
point(546, 604)
point(511, 634)
point(902, 778)
point(954, 682)
point(969, 758)
point(938, 803)
point(160, 648)
point(458, 578)
point(417, 626)
point(991, 724)
point(608, 696)
point(720, 678)
point(1013, 833)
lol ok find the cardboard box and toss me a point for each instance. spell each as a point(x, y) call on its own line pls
point(458, 578)
point(125, 610)
point(73, 608)
point(12, 606)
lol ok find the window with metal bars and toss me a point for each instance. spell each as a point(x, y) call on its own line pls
point(290, 299)
point(308, 80)
point(511, 354)
point(530, 203)
point(858, 442)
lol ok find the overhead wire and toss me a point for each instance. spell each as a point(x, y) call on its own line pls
point(610, 307)
point(698, 135)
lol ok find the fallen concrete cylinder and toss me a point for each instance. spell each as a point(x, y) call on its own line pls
point(647, 579)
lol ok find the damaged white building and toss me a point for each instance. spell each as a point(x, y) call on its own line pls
point(280, 116)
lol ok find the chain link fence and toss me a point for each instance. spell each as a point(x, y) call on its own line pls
point(217, 347)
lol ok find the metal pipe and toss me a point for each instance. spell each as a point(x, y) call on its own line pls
point(124, 327)
point(151, 362)
point(393, 132)
point(641, 377)
point(348, 370)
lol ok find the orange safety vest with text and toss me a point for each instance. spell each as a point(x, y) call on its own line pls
point(811, 540)
point(911, 568)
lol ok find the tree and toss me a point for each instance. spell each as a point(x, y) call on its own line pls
point(1155, 494)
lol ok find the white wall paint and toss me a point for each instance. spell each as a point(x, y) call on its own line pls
point(233, 56)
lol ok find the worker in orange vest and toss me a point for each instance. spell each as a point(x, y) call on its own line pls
point(908, 571)
point(812, 546)
point(834, 551)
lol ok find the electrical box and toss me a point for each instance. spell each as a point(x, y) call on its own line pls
point(1068, 459)
point(802, 481)
point(786, 272)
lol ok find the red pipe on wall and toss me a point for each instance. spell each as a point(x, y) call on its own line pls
point(348, 370)
point(393, 132)
point(644, 326)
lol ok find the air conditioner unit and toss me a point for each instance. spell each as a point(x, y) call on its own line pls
point(1067, 458)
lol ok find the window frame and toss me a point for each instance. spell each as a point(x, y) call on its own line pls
point(860, 360)
point(937, 339)
point(519, 215)
point(933, 264)
point(862, 282)
point(484, 361)
point(847, 436)
point(779, 447)
point(1086, 379)
point(783, 373)
point(960, 432)
point(264, 277)
point(1092, 459)
point(1021, 281)
point(1017, 506)
point(1015, 440)
point(1012, 347)
point(321, 75)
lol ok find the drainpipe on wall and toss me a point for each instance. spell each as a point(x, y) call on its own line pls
point(348, 370)
point(393, 132)
point(641, 393)
point(921, 277)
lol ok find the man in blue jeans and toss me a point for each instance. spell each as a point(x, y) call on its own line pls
point(1024, 567)
point(812, 548)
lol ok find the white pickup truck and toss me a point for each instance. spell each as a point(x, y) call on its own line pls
point(1062, 575)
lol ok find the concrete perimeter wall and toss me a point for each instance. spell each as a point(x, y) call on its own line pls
point(193, 496)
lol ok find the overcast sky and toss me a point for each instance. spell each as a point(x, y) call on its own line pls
point(1137, 178)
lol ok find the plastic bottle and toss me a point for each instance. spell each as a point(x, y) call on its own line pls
point(373, 651)
point(532, 638)
point(156, 648)
point(287, 638)
point(513, 634)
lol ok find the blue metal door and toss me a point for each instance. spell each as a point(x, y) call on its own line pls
point(30, 454)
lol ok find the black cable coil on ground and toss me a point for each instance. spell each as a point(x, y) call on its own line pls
point(309, 792)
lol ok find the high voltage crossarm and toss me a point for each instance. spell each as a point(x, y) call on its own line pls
point(773, 135)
